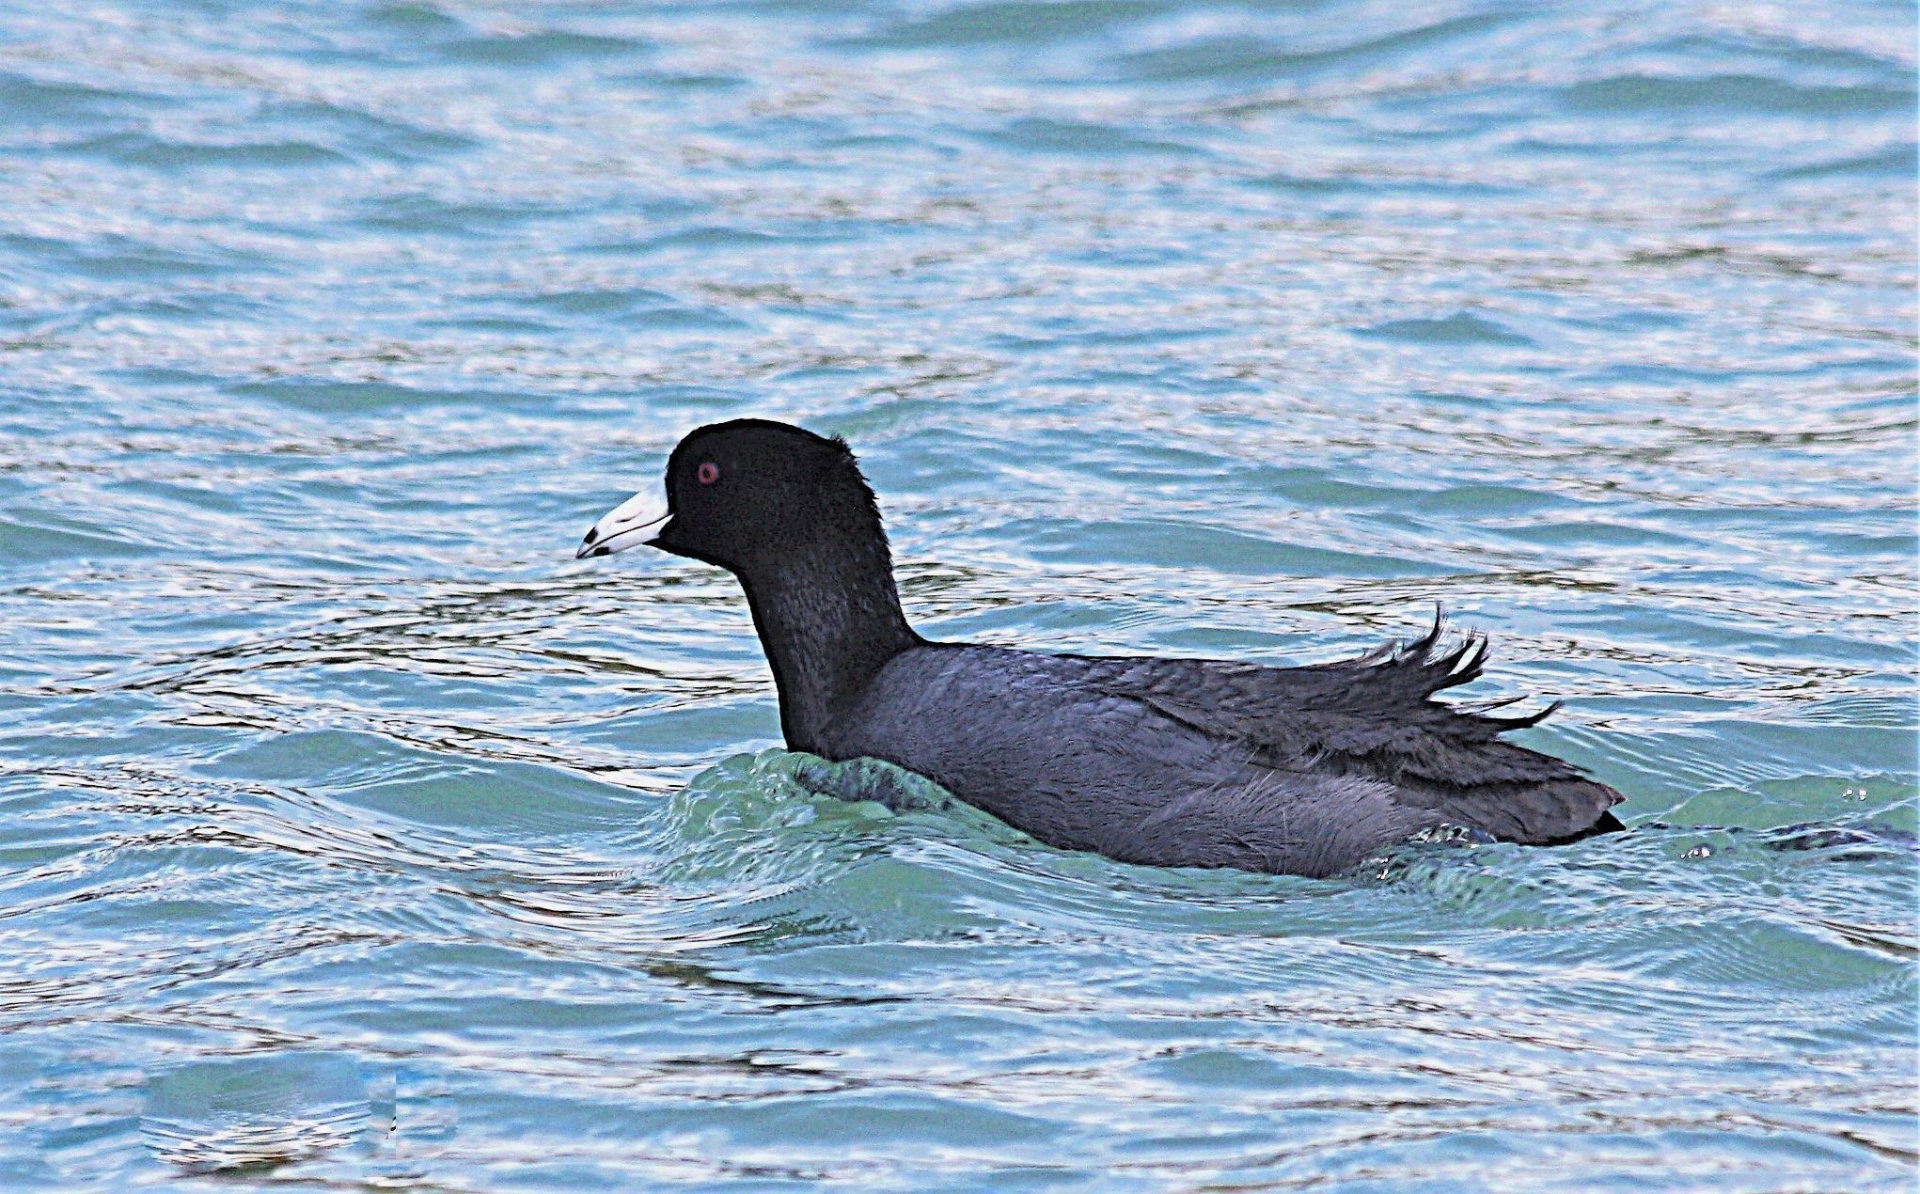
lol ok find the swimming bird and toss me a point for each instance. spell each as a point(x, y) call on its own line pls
point(1168, 762)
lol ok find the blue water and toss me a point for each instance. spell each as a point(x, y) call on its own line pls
point(352, 834)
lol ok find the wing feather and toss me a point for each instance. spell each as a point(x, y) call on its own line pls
point(1375, 716)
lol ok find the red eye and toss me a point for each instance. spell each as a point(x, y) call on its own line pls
point(708, 472)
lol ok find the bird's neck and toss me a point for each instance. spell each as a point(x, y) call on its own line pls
point(828, 627)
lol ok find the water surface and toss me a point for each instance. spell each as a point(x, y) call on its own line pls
point(351, 833)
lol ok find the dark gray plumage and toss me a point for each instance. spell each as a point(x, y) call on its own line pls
point(1172, 762)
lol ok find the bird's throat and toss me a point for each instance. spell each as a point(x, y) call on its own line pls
point(827, 630)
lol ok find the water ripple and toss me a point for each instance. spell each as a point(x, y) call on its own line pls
point(353, 833)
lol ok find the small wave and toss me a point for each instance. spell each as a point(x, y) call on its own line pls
point(118, 257)
point(710, 237)
point(139, 149)
point(1638, 94)
point(1038, 135)
point(1014, 22)
point(256, 1113)
point(1186, 546)
point(599, 302)
point(418, 213)
point(540, 49)
point(342, 397)
point(361, 134)
point(26, 101)
point(414, 18)
point(1244, 58)
point(1463, 328)
point(1895, 161)
point(28, 543)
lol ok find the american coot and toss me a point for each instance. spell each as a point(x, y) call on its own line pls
point(1172, 762)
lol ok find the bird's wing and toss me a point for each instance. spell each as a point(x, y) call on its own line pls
point(1375, 715)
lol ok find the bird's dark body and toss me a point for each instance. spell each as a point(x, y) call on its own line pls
point(1180, 762)
point(1172, 762)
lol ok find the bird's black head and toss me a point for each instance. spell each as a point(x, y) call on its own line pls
point(750, 494)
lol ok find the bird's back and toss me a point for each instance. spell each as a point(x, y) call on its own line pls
point(1205, 763)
